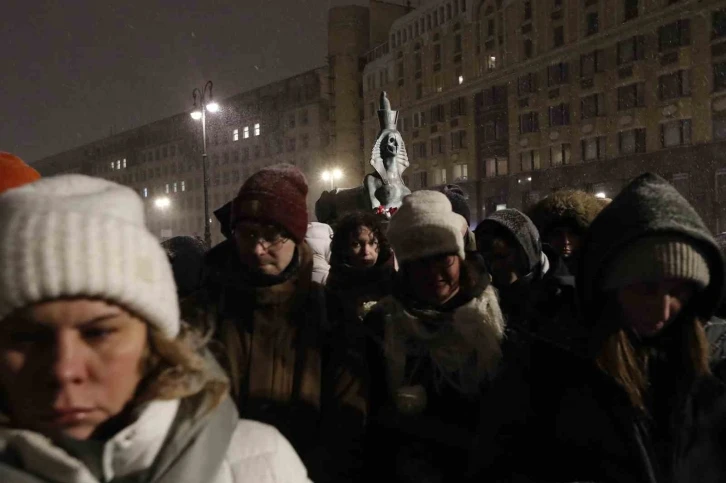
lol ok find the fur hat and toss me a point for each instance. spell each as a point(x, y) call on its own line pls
point(77, 236)
point(458, 198)
point(425, 225)
point(566, 207)
point(14, 172)
point(275, 195)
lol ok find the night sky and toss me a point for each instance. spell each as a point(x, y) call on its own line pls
point(73, 71)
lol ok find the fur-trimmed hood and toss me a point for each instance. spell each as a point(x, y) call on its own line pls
point(464, 345)
point(573, 207)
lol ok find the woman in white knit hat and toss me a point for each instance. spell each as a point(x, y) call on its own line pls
point(439, 343)
point(99, 381)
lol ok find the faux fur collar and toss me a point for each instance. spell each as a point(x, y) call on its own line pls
point(464, 344)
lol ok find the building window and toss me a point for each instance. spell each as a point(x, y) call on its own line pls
point(719, 76)
point(461, 172)
point(437, 57)
point(719, 126)
point(305, 141)
point(437, 145)
point(417, 63)
point(492, 96)
point(630, 9)
point(560, 154)
point(146, 192)
point(675, 133)
point(631, 50)
point(166, 188)
point(528, 122)
point(496, 167)
point(495, 131)
point(681, 182)
point(528, 48)
point(674, 85)
point(674, 35)
point(491, 62)
point(558, 36)
point(123, 163)
point(527, 10)
point(590, 64)
point(527, 84)
point(593, 148)
point(558, 74)
point(458, 140)
point(419, 150)
point(457, 44)
point(559, 115)
point(420, 179)
point(593, 106)
point(457, 107)
point(632, 141)
point(718, 23)
point(631, 96)
point(246, 132)
point(183, 186)
point(118, 164)
point(419, 91)
point(257, 129)
point(438, 114)
point(440, 176)
point(460, 79)
point(529, 160)
point(592, 23)
point(235, 135)
point(175, 188)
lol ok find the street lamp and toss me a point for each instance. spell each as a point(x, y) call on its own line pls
point(203, 102)
point(332, 176)
point(162, 203)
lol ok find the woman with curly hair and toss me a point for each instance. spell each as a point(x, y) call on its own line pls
point(99, 379)
point(361, 264)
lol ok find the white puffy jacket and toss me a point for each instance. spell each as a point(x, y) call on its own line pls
point(257, 453)
point(318, 237)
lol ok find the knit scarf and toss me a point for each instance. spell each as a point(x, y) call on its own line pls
point(464, 344)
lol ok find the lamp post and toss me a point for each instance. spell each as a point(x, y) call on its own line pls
point(332, 176)
point(203, 102)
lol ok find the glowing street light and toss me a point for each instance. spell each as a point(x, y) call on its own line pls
point(162, 203)
point(203, 103)
point(600, 195)
point(332, 176)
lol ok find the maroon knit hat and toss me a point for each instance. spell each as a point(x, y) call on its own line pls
point(275, 195)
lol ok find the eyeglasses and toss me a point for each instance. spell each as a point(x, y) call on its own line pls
point(266, 236)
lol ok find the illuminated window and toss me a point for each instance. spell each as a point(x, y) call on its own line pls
point(174, 187)
point(124, 163)
point(235, 135)
point(118, 164)
point(246, 132)
point(146, 192)
point(113, 165)
point(257, 129)
point(167, 188)
point(461, 79)
point(183, 186)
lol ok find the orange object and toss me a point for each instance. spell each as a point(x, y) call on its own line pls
point(14, 172)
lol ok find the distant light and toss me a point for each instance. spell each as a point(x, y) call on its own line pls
point(162, 203)
point(196, 115)
point(501, 207)
point(600, 195)
point(213, 107)
point(529, 178)
point(326, 176)
point(337, 173)
point(461, 79)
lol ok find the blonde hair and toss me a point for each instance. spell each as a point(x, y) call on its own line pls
point(177, 368)
point(628, 364)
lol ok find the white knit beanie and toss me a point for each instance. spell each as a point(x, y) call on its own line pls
point(425, 225)
point(73, 235)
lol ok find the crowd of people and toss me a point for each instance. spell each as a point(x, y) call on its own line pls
point(577, 342)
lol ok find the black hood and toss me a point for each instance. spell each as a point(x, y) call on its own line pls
point(520, 228)
point(648, 206)
point(223, 214)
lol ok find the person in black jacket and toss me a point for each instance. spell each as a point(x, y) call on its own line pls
point(435, 345)
point(641, 404)
point(361, 266)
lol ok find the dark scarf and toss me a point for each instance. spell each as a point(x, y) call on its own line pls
point(345, 277)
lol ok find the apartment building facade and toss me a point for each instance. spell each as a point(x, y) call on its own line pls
point(515, 99)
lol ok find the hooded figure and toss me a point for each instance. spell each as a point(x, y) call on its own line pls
point(640, 403)
point(562, 220)
point(319, 237)
point(435, 344)
point(287, 367)
point(99, 380)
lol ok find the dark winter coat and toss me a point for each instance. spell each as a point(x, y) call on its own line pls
point(543, 300)
point(288, 367)
point(432, 351)
point(569, 421)
point(353, 291)
point(577, 209)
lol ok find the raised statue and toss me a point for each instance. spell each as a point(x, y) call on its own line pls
point(383, 190)
point(389, 160)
